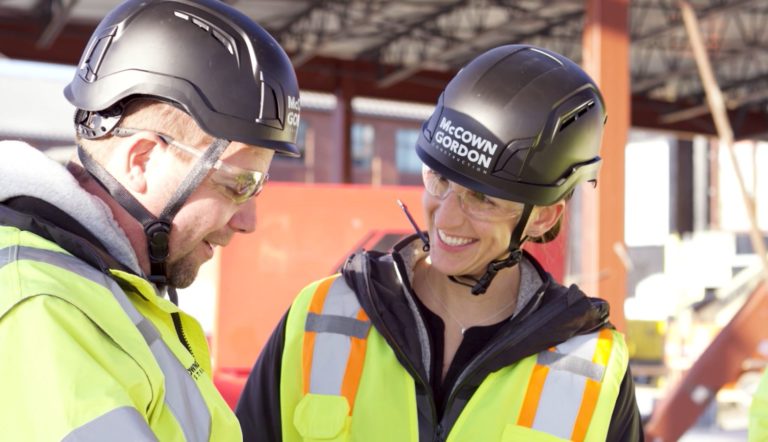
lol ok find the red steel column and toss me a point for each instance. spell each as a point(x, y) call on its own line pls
point(606, 58)
point(342, 129)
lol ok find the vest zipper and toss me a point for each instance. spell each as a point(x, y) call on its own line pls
point(524, 331)
point(438, 434)
point(180, 332)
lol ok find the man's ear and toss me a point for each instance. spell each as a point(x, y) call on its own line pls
point(544, 218)
point(136, 152)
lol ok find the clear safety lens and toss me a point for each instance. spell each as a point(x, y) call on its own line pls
point(241, 187)
point(237, 183)
point(475, 204)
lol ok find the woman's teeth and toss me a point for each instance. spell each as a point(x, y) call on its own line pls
point(453, 240)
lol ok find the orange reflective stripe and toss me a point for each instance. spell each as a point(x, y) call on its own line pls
point(592, 387)
point(318, 299)
point(354, 365)
point(532, 396)
point(309, 346)
point(316, 306)
point(588, 404)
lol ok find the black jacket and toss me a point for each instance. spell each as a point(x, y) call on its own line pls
point(553, 315)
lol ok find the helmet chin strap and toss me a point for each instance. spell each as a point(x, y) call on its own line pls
point(157, 229)
point(480, 286)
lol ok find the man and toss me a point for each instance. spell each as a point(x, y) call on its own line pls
point(181, 105)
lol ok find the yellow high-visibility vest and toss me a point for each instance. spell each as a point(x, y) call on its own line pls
point(341, 381)
point(89, 356)
point(758, 412)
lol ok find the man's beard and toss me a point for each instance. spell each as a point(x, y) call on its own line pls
point(182, 273)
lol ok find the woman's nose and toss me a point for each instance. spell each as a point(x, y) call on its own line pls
point(449, 212)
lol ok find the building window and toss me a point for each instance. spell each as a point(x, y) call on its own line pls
point(301, 136)
point(405, 151)
point(362, 145)
point(301, 142)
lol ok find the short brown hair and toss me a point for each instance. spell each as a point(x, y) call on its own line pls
point(151, 115)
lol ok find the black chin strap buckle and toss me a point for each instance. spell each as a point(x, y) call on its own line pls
point(493, 268)
point(158, 233)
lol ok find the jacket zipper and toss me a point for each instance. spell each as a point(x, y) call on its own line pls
point(438, 435)
point(544, 317)
point(180, 332)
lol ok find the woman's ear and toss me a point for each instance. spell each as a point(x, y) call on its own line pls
point(543, 219)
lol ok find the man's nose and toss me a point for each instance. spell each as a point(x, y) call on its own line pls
point(244, 220)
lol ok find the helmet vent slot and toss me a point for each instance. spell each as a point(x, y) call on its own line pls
point(90, 66)
point(220, 36)
point(575, 115)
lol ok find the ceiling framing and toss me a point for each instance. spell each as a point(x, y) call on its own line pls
point(408, 49)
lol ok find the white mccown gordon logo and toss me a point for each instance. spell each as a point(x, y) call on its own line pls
point(293, 111)
point(457, 141)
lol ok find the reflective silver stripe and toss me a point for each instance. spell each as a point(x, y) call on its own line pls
point(124, 424)
point(570, 367)
point(67, 262)
point(559, 404)
point(341, 300)
point(334, 327)
point(573, 364)
point(8, 255)
point(337, 324)
point(182, 396)
point(148, 331)
point(582, 346)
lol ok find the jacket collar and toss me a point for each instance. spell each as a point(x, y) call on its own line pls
point(382, 283)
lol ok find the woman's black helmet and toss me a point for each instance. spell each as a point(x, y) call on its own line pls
point(203, 56)
point(519, 123)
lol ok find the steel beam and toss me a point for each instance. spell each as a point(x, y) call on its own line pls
point(606, 58)
point(59, 11)
point(721, 363)
point(19, 36)
point(342, 128)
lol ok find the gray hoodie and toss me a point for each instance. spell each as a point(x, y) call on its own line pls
point(26, 171)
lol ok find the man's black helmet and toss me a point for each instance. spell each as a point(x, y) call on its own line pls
point(203, 56)
point(519, 123)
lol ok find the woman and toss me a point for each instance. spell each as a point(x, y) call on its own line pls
point(461, 336)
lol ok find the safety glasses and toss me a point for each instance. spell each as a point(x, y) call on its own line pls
point(240, 185)
point(475, 204)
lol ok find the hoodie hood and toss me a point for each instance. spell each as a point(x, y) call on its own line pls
point(26, 171)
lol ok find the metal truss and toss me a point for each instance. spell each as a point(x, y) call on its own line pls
point(737, 41)
point(415, 35)
point(325, 24)
point(452, 37)
point(406, 37)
